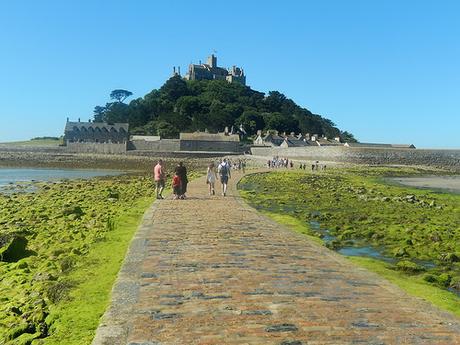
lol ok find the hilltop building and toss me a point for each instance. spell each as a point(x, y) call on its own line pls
point(210, 71)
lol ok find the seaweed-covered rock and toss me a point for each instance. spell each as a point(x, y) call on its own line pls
point(12, 247)
point(449, 257)
point(72, 210)
point(409, 267)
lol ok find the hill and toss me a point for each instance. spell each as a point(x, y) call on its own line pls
point(186, 106)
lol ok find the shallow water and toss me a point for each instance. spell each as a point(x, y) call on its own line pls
point(367, 251)
point(449, 184)
point(9, 176)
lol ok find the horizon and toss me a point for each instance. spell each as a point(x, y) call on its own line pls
point(387, 73)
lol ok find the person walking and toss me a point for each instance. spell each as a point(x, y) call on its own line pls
point(159, 178)
point(181, 171)
point(224, 175)
point(211, 178)
point(176, 185)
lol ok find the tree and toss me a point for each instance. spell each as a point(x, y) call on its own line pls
point(251, 121)
point(120, 95)
point(174, 88)
point(166, 130)
point(99, 113)
point(185, 106)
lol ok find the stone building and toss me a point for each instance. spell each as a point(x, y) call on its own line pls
point(202, 141)
point(95, 132)
point(210, 71)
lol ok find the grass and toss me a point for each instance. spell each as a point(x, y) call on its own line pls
point(413, 285)
point(36, 142)
point(77, 319)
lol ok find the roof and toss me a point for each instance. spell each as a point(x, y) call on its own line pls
point(270, 136)
point(293, 142)
point(327, 142)
point(378, 145)
point(197, 136)
point(146, 137)
point(86, 125)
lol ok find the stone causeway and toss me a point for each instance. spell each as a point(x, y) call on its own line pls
point(210, 270)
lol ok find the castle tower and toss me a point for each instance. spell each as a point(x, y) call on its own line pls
point(212, 61)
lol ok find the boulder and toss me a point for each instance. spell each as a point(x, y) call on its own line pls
point(12, 247)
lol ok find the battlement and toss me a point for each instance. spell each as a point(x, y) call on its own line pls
point(210, 71)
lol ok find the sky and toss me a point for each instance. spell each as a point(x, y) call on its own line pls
point(386, 71)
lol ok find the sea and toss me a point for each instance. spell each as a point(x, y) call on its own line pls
point(12, 176)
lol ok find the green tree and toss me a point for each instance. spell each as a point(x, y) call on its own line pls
point(251, 120)
point(120, 95)
point(99, 113)
point(174, 88)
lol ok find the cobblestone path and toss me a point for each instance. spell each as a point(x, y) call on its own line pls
point(211, 270)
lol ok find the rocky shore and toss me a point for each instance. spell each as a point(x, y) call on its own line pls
point(43, 159)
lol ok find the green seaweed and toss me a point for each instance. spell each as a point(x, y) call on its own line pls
point(50, 244)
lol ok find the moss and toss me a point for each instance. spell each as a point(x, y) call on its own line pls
point(409, 267)
point(73, 232)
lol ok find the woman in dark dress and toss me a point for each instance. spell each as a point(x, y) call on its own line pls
point(181, 171)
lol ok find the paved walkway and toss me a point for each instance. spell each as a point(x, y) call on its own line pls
point(212, 271)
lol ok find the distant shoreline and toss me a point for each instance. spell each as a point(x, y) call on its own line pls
point(56, 157)
point(450, 184)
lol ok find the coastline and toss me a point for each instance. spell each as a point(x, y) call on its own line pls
point(448, 184)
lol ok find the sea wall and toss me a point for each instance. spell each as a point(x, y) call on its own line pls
point(163, 145)
point(105, 148)
point(449, 159)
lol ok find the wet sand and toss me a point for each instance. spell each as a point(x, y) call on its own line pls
point(449, 184)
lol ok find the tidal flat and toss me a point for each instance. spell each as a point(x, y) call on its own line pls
point(60, 249)
point(355, 211)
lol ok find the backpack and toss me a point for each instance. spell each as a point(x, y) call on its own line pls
point(223, 170)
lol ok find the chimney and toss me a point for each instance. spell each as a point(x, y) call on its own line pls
point(67, 119)
point(178, 70)
point(174, 70)
point(78, 119)
point(259, 132)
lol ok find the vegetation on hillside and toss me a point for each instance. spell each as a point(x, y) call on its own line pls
point(186, 106)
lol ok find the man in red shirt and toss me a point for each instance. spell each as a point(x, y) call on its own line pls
point(159, 177)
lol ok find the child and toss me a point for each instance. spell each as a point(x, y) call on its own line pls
point(176, 186)
point(211, 178)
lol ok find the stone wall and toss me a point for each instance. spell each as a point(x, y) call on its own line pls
point(436, 158)
point(163, 145)
point(204, 145)
point(106, 148)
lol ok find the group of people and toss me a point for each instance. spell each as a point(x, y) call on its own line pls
point(314, 166)
point(277, 162)
point(223, 173)
point(180, 180)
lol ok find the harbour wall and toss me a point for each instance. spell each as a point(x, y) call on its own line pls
point(449, 159)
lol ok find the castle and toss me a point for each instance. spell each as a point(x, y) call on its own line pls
point(210, 71)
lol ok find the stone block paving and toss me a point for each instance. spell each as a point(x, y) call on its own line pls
point(210, 270)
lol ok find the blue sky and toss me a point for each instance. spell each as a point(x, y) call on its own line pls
point(387, 71)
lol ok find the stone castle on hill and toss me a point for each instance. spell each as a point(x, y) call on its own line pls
point(210, 71)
